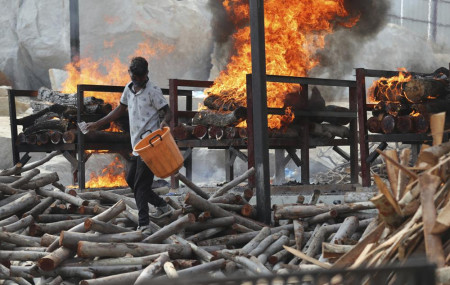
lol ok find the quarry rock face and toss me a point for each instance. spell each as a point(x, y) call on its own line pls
point(36, 37)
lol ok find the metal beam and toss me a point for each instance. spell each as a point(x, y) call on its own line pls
point(74, 31)
point(261, 147)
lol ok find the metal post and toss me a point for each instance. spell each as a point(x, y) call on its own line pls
point(74, 31)
point(434, 16)
point(81, 158)
point(362, 120)
point(261, 147)
point(13, 124)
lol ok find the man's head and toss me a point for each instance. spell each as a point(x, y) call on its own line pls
point(138, 71)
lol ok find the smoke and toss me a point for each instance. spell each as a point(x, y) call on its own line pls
point(337, 59)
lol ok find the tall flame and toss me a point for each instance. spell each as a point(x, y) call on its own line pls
point(294, 31)
point(111, 176)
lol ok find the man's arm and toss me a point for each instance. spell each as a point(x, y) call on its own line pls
point(115, 114)
point(167, 113)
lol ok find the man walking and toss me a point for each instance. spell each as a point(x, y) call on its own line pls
point(145, 104)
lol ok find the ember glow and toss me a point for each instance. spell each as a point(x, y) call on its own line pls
point(294, 31)
point(108, 72)
point(389, 89)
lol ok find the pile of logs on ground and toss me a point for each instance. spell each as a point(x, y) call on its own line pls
point(60, 236)
point(405, 107)
point(54, 120)
point(220, 120)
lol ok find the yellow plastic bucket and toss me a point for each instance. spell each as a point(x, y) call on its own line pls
point(160, 152)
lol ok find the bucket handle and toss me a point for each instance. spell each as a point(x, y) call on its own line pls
point(145, 132)
point(150, 140)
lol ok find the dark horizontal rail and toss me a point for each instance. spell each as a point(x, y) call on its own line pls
point(311, 81)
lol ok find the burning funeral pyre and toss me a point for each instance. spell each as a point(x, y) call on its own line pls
point(405, 102)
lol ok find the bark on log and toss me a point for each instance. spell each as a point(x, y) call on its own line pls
point(170, 229)
point(20, 240)
point(51, 218)
point(20, 224)
point(77, 201)
point(6, 189)
point(212, 223)
point(149, 272)
point(52, 260)
point(71, 239)
point(97, 137)
point(388, 124)
point(222, 190)
point(24, 179)
point(231, 133)
point(345, 231)
point(8, 221)
point(41, 181)
point(55, 137)
point(333, 251)
point(321, 218)
point(102, 227)
point(93, 249)
point(374, 125)
point(46, 94)
point(6, 255)
point(191, 185)
point(55, 125)
point(117, 279)
point(266, 242)
point(273, 248)
point(220, 119)
point(249, 211)
point(55, 108)
point(21, 204)
point(205, 234)
point(39, 162)
point(170, 270)
point(53, 228)
point(204, 205)
point(304, 211)
point(299, 232)
point(215, 102)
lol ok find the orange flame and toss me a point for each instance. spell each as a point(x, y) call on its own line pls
point(111, 176)
point(108, 72)
point(294, 31)
point(389, 89)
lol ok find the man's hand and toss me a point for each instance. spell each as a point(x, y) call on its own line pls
point(92, 126)
point(164, 124)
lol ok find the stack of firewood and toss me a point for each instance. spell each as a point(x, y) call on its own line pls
point(406, 107)
point(220, 120)
point(54, 119)
point(53, 235)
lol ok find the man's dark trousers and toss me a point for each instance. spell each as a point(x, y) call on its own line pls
point(140, 180)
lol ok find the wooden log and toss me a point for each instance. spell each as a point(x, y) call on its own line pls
point(228, 198)
point(55, 137)
point(172, 203)
point(215, 132)
point(71, 239)
point(116, 279)
point(200, 131)
point(191, 185)
point(53, 228)
point(143, 260)
point(20, 224)
point(220, 119)
point(387, 211)
point(56, 125)
point(304, 211)
point(170, 229)
point(55, 258)
point(185, 263)
point(403, 178)
point(420, 89)
point(273, 248)
point(433, 244)
point(6, 189)
point(102, 227)
point(20, 240)
point(149, 272)
point(12, 171)
point(253, 243)
point(248, 194)
point(388, 124)
point(240, 228)
point(321, 218)
point(170, 270)
point(249, 211)
point(299, 232)
point(48, 239)
point(24, 179)
point(55, 109)
point(5, 273)
point(392, 170)
point(443, 220)
point(8, 221)
point(21, 204)
point(69, 136)
point(39, 162)
point(328, 130)
point(51, 218)
point(212, 223)
point(42, 138)
point(202, 268)
point(42, 181)
point(374, 125)
point(64, 197)
point(182, 132)
point(307, 258)
point(333, 251)
point(432, 154)
point(205, 234)
point(243, 133)
point(420, 123)
point(204, 205)
point(201, 253)
point(39, 208)
point(222, 190)
point(14, 255)
point(93, 249)
point(345, 231)
point(46, 94)
point(259, 249)
point(231, 133)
